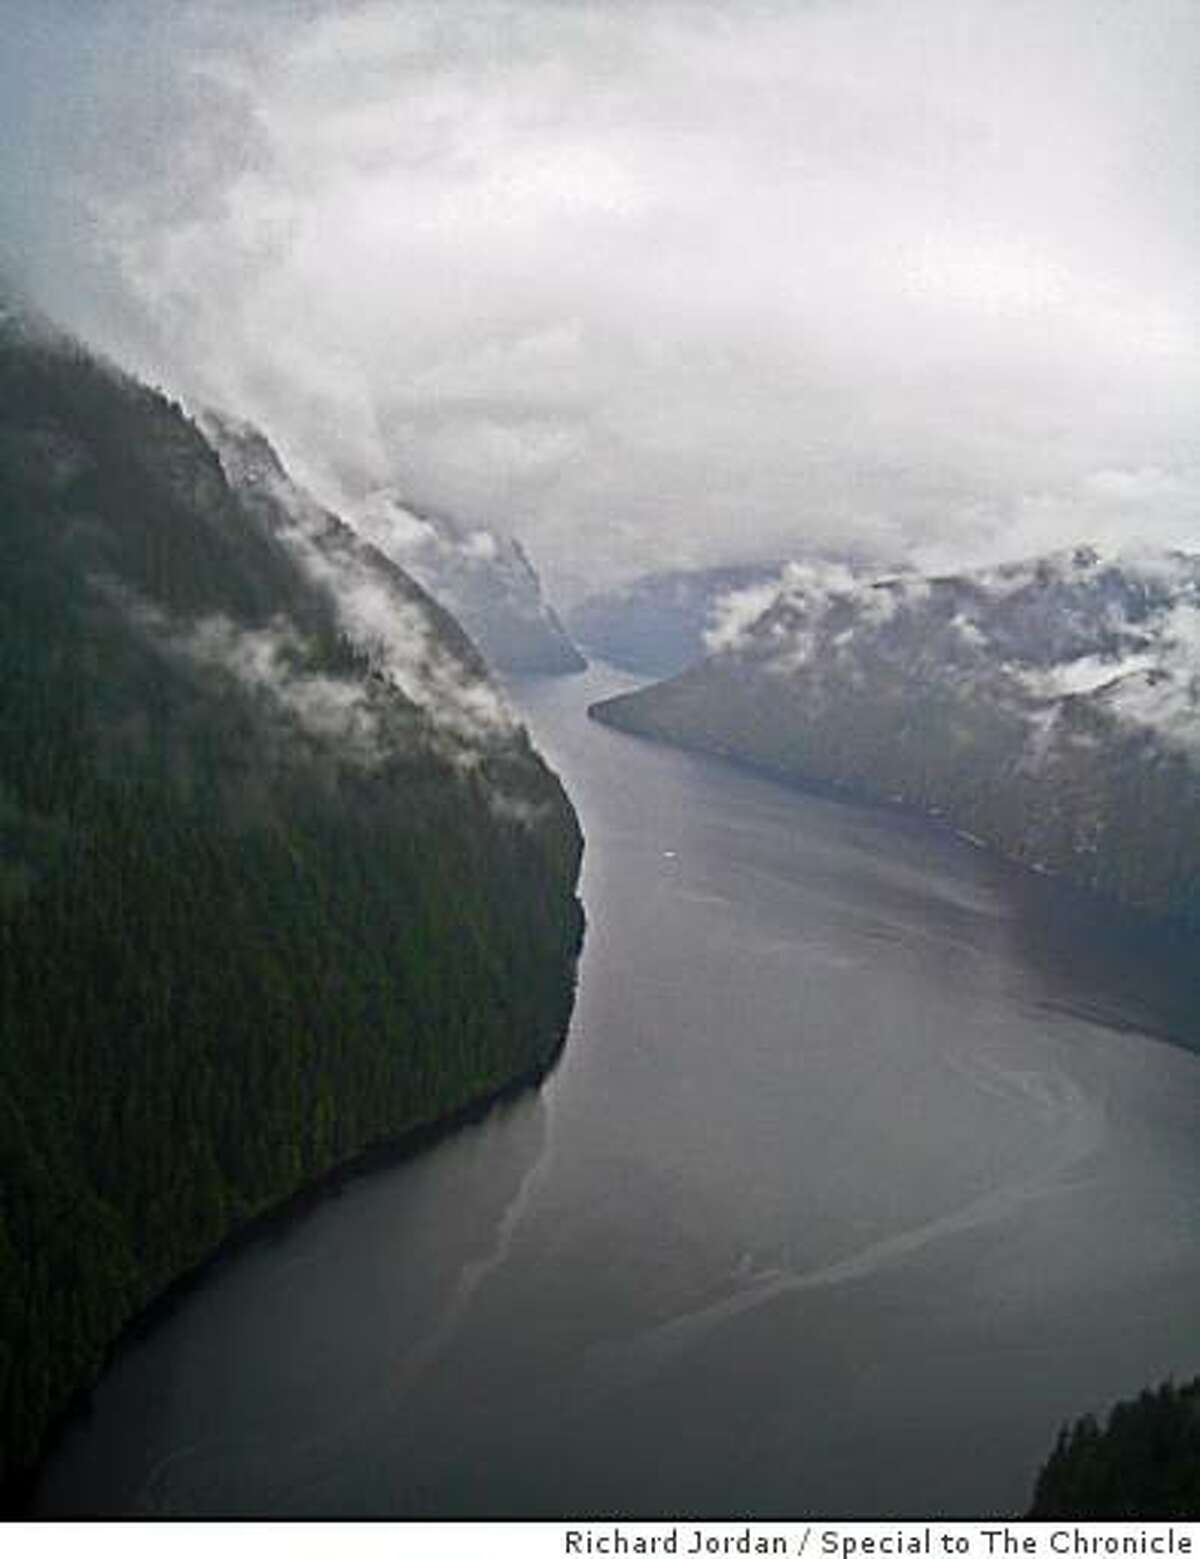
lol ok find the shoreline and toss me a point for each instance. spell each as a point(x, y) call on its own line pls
point(1175, 927)
point(846, 793)
point(18, 1493)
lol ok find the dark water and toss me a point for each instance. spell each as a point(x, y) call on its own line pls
point(863, 1169)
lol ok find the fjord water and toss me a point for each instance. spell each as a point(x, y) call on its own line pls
point(870, 1159)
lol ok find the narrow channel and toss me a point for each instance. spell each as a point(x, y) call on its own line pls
point(869, 1160)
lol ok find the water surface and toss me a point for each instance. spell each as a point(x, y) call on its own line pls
point(870, 1159)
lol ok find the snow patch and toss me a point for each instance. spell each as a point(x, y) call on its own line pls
point(1086, 674)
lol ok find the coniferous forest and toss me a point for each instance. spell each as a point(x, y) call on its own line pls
point(1143, 1462)
point(257, 913)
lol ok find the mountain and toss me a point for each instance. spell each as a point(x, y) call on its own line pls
point(1050, 709)
point(484, 578)
point(662, 622)
point(281, 876)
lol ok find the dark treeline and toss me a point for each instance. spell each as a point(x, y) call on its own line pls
point(231, 955)
point(1144, 1463)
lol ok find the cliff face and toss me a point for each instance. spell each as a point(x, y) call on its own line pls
point(280, 873)
point(484, 578)
point(1051, 709)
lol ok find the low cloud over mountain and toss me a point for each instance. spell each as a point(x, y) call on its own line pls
point(654, 285)
point(1050, 708)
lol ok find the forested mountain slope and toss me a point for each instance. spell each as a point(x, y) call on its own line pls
point(1051, 709)
point(280, 874)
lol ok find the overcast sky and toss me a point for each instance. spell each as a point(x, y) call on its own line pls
point(647, 283)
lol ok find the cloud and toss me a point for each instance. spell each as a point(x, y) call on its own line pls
point(655, 284)
point(383, 614)
point(733, 613)
point(269, 661)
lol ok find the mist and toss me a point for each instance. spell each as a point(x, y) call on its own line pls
point(647, 285)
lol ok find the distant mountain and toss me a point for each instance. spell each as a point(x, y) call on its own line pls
point(281, 876)
point(484, 578)
point(1050, 709)
point(660, 623)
